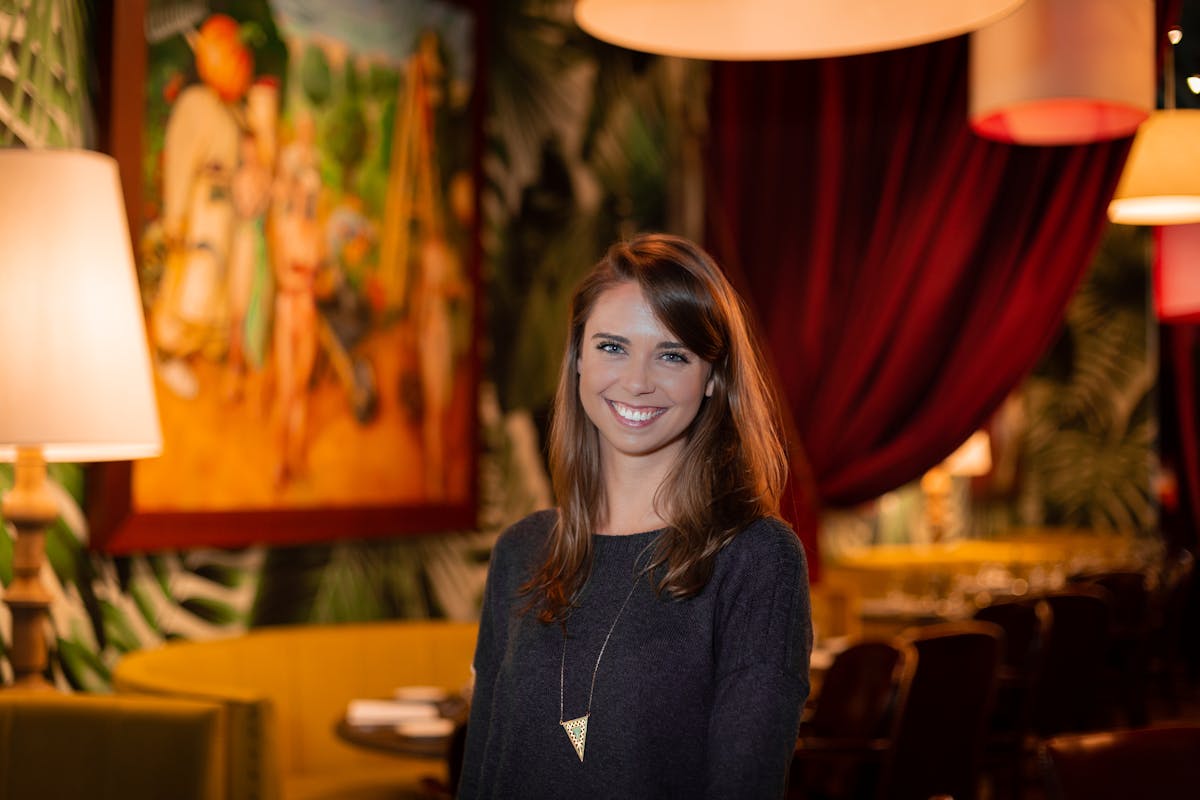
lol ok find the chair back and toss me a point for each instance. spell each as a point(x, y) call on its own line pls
point(846, 744)
point(1027, 626)
point(108, 748)
point(1168, 610)
point(1161, 761)
point(941, 732)
point(865, 686)
point(1069, 694)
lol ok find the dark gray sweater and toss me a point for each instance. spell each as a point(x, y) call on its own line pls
point(695, 698)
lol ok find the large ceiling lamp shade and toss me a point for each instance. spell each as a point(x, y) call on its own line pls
point(1064, 72)
point(1161, 181)
point(753, 30)
point(1177, 273)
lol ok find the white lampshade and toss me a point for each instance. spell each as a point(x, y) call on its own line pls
point(1063, 72)
point(973, 457)
point(75, 374)
point(750, 30)
point(1161, 181)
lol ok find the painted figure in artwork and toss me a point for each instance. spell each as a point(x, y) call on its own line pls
point(298, 250)
point(200, 157)
point(250, 281)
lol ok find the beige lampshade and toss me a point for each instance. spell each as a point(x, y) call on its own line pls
point(973, 457)
point(74, 366)
point(1161, 181)
point(1063, 72)
point(748, 30)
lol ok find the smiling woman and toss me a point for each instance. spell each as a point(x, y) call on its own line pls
point(664, 593)
point(639, 387)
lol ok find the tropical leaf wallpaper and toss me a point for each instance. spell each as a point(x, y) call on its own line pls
point(584, 143)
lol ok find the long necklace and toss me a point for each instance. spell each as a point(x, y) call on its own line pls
point(577, 728)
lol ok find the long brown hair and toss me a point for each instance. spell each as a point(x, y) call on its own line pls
point(733, 465)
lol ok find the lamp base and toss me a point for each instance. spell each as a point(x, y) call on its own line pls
point(31, 508)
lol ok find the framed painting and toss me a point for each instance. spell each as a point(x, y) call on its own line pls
point(301, 178)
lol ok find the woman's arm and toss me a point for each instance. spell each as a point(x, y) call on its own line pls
point(489, 649)
point(763, 638)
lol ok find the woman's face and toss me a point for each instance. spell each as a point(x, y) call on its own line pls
point(638, 384)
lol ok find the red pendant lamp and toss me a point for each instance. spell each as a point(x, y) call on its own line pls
point(1063, 72)
point(1177, 273)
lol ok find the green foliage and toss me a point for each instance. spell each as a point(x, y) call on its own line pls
point(210, 610)
point(118, 629)
point(1089, 447)
point(344, 135)
point(62, 551)
point(82, 666)
point(46, 97)
point(383, 83)
point(316, 79)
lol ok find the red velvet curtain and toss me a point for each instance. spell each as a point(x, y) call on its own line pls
point(906, 274)
point(1180, 436)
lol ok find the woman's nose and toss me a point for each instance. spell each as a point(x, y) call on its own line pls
point(637, 377)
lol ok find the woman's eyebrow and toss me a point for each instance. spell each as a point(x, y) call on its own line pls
point(623, 340)
point(614, 337)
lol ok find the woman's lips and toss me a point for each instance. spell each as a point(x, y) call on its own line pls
point(635, 416)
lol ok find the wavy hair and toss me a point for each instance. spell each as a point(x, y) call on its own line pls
point(733, 465)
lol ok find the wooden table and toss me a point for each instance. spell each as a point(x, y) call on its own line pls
point(388, 738)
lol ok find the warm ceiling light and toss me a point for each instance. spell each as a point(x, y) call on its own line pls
point(1193, 82)
point(1161, 181)
point(1063, 72)
point(751, 30)
point(1177, 273)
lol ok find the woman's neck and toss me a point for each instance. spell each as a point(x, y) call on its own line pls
point(631, 488)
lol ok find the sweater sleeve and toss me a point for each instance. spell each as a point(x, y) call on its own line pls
point(489, 650)
point(763, 639)
point(510, 562)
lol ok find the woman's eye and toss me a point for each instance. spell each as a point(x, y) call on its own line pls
point(609, 347)
point(675, 358)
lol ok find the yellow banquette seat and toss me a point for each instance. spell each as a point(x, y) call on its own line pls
point(282, 691)
point(109, 748)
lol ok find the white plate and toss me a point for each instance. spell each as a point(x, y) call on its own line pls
point(421, 694)
point(426, 728)
point(386, 712)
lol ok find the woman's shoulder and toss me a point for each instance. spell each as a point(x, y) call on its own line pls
point(526, 536)
point(766, 540)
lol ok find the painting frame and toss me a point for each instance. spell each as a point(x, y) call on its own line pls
point(117, 524)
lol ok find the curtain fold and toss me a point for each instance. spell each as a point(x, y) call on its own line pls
point(1180, 434)
point(905, 273)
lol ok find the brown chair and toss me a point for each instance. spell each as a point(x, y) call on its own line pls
point(1068, 697)
point(941, 733)
point(1011, 744)
point(1160, 762)
point(104, 747)
point(845, 744)
point(1127, 663)
point(1167, 610)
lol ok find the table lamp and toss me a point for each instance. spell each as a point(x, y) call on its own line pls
point(972, 458)
point(75, 379)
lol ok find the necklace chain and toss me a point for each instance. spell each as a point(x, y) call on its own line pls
point(562, 665)
point(577, 728)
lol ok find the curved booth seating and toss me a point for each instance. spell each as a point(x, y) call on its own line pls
point(283, 690)
point(1159, 761)
point(104, 747)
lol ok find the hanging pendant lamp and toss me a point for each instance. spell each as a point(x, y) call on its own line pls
point(1160, 184)
point(1177, 273)
point(752, 30)
point(1161, 181)
point(1063, 72)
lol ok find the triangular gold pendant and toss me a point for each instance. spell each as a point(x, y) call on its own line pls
point(577, 732)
